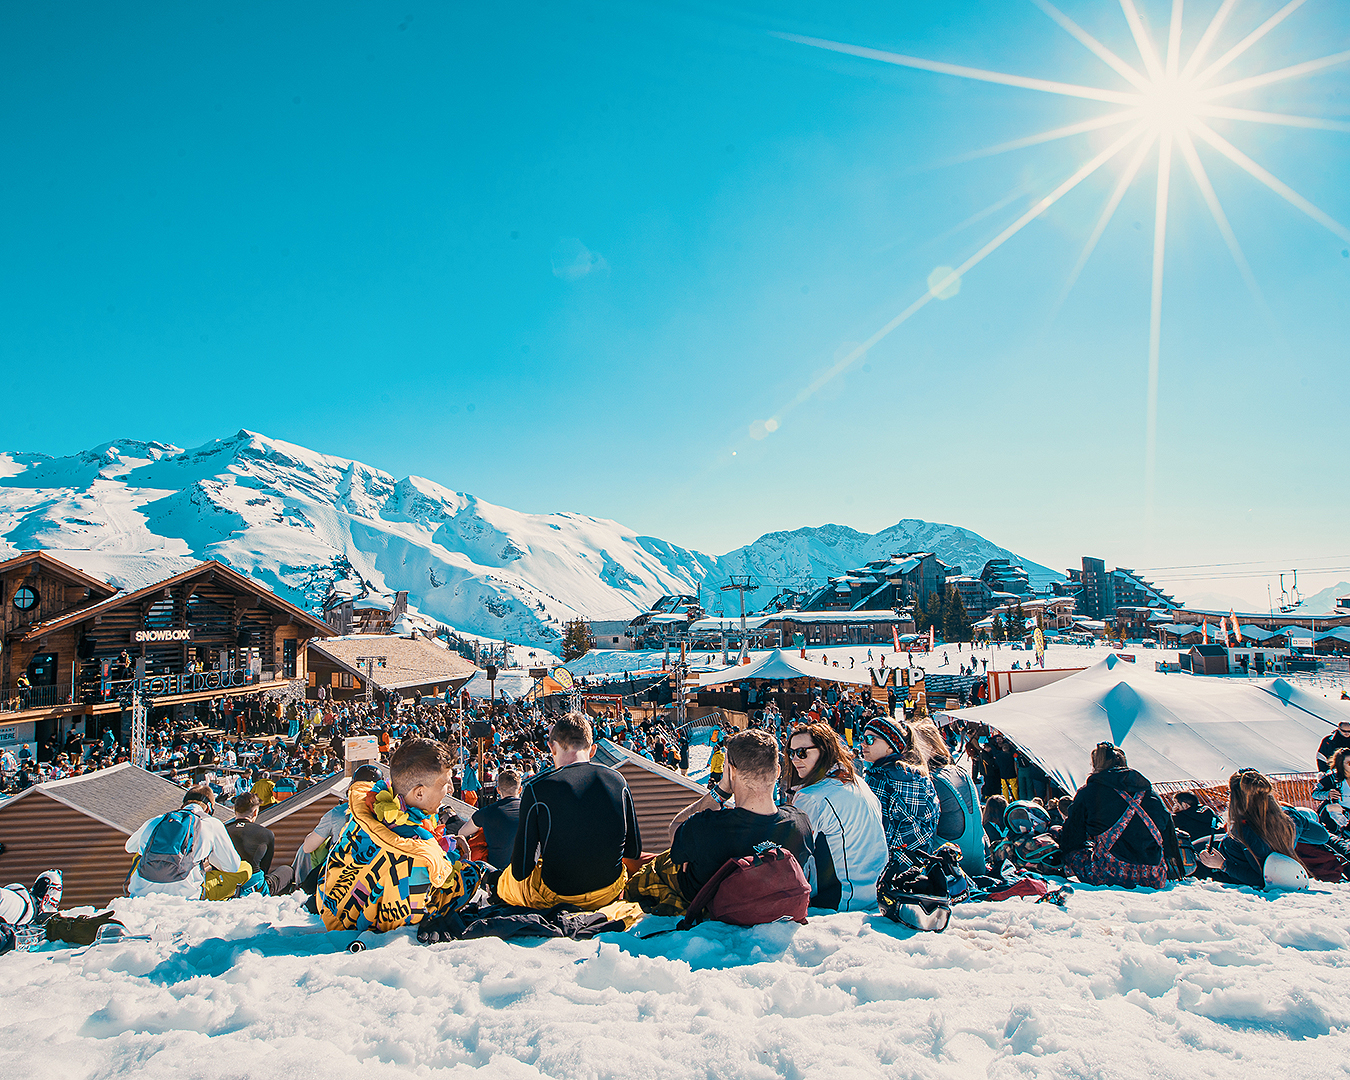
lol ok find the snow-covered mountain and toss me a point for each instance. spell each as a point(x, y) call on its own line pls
point(806, 557)
point(310, 525)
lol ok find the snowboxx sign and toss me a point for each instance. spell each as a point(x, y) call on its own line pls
point(147, 637)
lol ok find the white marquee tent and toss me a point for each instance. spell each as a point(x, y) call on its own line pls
point(1173, 728)
point(781, 665)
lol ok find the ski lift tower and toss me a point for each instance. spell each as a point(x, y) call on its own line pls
point(742, 585)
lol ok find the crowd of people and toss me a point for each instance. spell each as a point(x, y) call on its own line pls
point(843, 787)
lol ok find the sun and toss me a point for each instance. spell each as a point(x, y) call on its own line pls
point(1164, 107)
point(1170, 105)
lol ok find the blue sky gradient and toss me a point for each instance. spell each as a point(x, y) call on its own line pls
point(565, 256)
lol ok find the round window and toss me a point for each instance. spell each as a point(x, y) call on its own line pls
point(25, 598)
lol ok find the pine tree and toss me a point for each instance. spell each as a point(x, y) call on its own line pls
point(996, 632)
point(1019, 624)
point(577, 639)
point(933, 611)
point(955, 621)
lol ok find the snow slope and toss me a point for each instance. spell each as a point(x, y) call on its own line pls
point(1198, 981)
point(310, 524)
point(306, 523)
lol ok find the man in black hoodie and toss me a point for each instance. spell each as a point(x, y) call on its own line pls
point(1118, 831)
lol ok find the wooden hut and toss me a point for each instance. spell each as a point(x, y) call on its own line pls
point(658, 793)
point(80, 826)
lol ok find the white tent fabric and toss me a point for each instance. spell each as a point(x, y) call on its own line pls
point(780, 665)
point(1172, 727)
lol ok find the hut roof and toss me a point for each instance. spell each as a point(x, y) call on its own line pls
point(408, 661)
point(123, 797)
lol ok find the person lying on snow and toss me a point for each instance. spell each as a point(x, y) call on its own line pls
point(1118, 832)
point(389, 866)
point(24, 913)
point(577, 827)
point(710, 831)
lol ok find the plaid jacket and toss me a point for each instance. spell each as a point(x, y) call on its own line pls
point(909, 804)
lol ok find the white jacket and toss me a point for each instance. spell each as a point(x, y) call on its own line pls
point(213, 845)
point(850, 843)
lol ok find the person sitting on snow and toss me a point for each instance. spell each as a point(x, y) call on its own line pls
point(577, 826)
point(897, 775)
point(173, 849)
point(389, 867)
point(710, 831)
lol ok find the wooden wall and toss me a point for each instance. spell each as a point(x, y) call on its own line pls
point(41, 834)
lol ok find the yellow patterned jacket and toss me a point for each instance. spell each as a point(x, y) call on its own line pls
point(377, 880)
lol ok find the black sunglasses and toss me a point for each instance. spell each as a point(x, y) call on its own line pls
point(870, 738)
point(800, 752)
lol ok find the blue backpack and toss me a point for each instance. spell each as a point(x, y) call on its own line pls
point(172, 851)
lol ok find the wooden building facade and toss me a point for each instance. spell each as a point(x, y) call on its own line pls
point(74, 645)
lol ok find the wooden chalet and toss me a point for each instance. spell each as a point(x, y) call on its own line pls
point(80, 826)
point(341, 666)
point(73, 645)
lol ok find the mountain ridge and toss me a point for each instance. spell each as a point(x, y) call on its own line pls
point(312, 525)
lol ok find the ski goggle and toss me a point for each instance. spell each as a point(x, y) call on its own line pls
point(923, 916)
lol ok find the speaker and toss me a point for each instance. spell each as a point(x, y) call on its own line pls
point(480, 729)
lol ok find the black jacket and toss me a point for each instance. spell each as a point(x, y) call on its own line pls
point(1197, 822)
point(1100, 803)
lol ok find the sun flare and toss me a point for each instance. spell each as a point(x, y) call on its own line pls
point(1165, 107)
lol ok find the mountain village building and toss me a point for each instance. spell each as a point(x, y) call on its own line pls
point(73, 645)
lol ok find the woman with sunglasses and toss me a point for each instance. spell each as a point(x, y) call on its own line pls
point(897, 773)
point(850, 842)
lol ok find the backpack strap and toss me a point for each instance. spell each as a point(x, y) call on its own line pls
point(1107, 840)
point(700, 902)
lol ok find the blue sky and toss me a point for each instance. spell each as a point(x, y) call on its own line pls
point(565, 256)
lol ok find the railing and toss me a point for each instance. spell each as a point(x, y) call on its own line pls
point(92, 691)
point(22, 698)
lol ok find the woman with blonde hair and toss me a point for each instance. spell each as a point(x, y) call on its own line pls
point(959, 819)
point(1257, 828)
point(850, 841)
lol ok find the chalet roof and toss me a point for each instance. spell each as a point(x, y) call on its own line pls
point(615, 756)
point(53, 565)
point(123, 797)
point(211, 566)
point(408, 661)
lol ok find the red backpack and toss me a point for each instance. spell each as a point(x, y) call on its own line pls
point(759, 888)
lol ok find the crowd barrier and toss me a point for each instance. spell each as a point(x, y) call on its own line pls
point(1292, 789)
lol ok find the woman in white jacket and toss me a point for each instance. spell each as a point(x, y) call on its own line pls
point(850, 841)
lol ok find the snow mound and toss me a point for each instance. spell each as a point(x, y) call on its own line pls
point(1198, 980)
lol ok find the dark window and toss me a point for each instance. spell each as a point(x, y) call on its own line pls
point(25, 599)
point(288, 658)
point(346, 680)
point(42, 669)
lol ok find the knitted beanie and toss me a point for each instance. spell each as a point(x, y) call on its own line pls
point(894, 732)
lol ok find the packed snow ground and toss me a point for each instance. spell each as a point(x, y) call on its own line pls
point(1197, 981)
